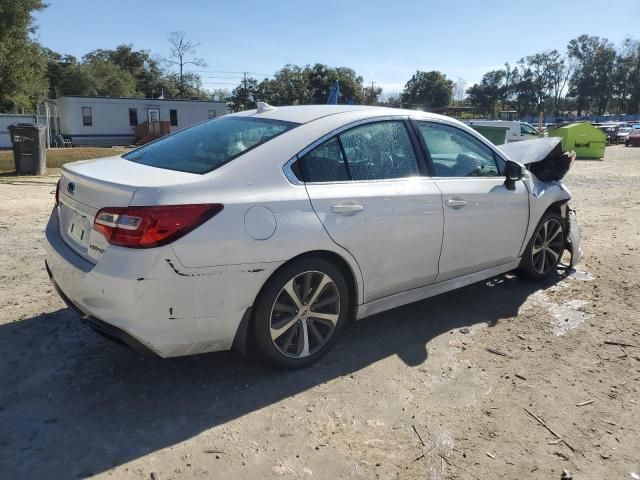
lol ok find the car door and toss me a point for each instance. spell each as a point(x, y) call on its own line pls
point(366, 187)
point(485, 222)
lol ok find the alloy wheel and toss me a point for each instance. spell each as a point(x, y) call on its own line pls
point(547, 246)
point(304, 314)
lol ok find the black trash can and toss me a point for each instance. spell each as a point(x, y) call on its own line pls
point(29, 148)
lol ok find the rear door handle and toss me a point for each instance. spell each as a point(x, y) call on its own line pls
point(455, 203)
point(347, 208)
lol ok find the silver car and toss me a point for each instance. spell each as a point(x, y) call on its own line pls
point(274, 227)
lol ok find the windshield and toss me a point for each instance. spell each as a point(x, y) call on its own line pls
point(208, 145)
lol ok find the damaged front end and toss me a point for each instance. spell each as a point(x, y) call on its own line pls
point(543, 157)
point(549, 164)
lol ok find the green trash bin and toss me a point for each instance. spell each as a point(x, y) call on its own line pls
point(496, 135)
point(29, 148)
point(584, 139)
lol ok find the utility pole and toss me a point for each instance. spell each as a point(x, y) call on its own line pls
point(245, 90)
point(372, 97)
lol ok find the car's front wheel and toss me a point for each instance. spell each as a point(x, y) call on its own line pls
point(300, 312)
point(545, 249)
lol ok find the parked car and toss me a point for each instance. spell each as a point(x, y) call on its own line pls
point(271, 228)
point(633, 137)
point(622, 134)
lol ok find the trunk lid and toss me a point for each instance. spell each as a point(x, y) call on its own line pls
point(88, 186)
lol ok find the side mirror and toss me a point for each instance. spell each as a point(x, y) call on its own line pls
point(514, 172)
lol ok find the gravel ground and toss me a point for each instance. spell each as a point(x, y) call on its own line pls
point(457, 386)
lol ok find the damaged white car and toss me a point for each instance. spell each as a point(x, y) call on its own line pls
point(271, 228)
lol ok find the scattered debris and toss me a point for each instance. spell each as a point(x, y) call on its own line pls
point(520, 376)
point(497, 352)
point(562, 455)
point(464, 330)
point(620, 344)
point(491, 455)
point(213, 450)
point(568, 315)
point(541, 422)
point(419, 436)
point(153, 476)
point(586, 402)
point(566, 475)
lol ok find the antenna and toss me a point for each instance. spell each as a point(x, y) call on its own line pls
point(264, 107)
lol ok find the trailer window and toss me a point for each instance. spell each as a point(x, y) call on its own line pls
point(208, 145)
point(133, 117)
point(173, 117)
point(87, 119)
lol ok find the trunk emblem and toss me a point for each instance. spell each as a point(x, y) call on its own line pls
point(71, 188)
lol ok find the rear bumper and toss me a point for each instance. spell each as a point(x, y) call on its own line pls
point(103, 328)
point(148, 300)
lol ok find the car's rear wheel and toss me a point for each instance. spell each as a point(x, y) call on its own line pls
point(300, 312)
point(544, 251)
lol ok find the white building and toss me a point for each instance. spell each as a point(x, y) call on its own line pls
point(123, 121)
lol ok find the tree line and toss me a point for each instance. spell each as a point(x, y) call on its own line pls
point(593, 76)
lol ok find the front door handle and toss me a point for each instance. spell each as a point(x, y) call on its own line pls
point(347, 208)
point(455, 203)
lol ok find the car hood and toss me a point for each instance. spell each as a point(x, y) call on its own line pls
point(531, 151)
point(544, 157)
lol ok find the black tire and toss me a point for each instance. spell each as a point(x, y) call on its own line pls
point(538, 268)
point(265, 313)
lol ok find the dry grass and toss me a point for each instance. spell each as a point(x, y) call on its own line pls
point(56, 157)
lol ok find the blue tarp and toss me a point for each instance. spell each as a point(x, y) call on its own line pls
point(334, 93)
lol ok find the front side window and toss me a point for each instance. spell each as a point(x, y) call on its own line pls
point(208, 145)
point(173, 117)
point(527, 129)
point(87, 119)
point(212, 114)
point(380, 150)
point(324, 163)
point(456, 153)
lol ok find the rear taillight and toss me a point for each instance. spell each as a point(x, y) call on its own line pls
point(146, 227)
point(58, 192)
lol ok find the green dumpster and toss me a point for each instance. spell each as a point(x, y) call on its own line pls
point(496, 135)
point(584, 139)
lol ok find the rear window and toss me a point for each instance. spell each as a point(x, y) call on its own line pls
point(208, 145)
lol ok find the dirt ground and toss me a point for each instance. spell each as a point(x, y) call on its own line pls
point(444, 388)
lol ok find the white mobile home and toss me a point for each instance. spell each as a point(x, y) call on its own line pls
point(123, 121)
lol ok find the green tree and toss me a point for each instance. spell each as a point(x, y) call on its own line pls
point(486, 95)
point(592, 80)
point(371, 95)
point(22, 65)
point(146, 70)
point(626, 77)
point(320, 80)
point(107, 79)
point(244, 96)
point(428, 90)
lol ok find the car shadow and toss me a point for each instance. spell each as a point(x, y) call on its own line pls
point(73, 404)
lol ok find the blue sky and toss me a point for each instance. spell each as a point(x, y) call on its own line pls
point(383, 41)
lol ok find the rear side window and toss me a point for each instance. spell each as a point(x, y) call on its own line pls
point(379, 150)
point(374, 151)
point(324, 163)
point(208, 145)
point(456, 153)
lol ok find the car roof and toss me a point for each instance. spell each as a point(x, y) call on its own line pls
point(309, 113)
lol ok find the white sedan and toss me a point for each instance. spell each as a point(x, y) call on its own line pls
point(271, 228)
